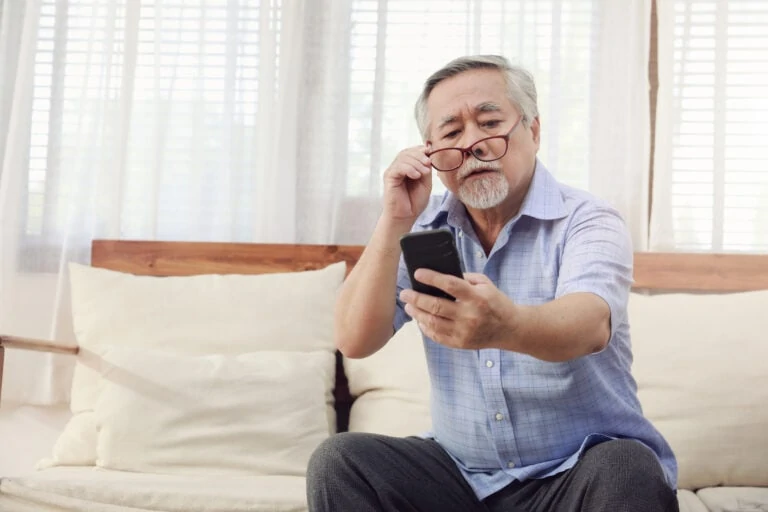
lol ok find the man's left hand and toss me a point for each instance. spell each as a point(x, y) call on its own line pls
point(481, 317)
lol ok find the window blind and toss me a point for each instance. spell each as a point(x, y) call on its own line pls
point(152, 98)
point(396, 44)
point(719, 167)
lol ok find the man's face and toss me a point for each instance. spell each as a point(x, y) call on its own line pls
point(471, 106)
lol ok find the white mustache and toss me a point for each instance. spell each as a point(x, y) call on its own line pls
point(473, 164)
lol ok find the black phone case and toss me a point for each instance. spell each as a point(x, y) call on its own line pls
point(435, 250)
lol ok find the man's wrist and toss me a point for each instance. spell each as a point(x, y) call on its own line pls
point(386, 237)
point(395, 228)
point(519, 318)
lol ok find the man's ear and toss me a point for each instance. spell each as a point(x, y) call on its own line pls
point(536, 131)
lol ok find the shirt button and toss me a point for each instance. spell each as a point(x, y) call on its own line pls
point(461, 234)
point(479, 254)
point(510, 464)
point(499, 416)
point(489, 363)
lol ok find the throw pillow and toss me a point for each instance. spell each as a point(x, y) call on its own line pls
point(392, 387)
point(699, 362)
point(261, 413)
point(193, 315)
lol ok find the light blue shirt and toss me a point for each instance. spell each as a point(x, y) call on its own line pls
point(505, 416)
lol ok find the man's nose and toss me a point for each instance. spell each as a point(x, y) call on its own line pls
point(472, 136)
point(479, 150)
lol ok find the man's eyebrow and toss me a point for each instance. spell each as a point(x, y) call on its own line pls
point(488, 106)
point(447, 120)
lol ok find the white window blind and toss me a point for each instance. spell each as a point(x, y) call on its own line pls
point(156, 101)
point(718, 159)
point(396, 44)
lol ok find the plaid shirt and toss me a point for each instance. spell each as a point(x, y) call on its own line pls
point(504, 416)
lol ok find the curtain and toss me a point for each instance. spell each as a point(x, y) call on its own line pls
point(267, 121)
point(710, 186)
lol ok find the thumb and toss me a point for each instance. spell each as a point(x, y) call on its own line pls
point(474, 278)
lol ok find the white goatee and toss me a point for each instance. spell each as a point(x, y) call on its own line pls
point(482, 192)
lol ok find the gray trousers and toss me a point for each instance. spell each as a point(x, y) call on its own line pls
point(355, 472)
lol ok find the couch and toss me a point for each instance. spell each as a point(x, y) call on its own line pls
point(208, 389)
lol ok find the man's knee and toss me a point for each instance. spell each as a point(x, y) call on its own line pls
point(625, 453)
point(626, 472)
point(336, 452)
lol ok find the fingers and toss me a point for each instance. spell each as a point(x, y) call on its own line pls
point(434, 327)
point(452, 285)
point(433, 305)
point(475, 278)
point(412, 163)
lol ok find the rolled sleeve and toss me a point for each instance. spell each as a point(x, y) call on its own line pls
point(597, 258)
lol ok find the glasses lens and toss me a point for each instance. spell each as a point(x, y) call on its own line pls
point(447, 159)
point(490, 149)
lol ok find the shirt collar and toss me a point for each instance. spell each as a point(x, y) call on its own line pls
point(543, 201)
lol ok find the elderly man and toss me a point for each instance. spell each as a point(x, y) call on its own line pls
point(533, 404)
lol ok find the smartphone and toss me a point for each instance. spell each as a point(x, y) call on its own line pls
point(435, 250)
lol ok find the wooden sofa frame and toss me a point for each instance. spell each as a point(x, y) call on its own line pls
point(656, 272)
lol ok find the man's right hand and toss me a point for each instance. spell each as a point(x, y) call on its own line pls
point(365, 306)
point(407, 185)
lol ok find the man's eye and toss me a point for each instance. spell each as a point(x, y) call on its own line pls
point(451, 135)
point(492, 124)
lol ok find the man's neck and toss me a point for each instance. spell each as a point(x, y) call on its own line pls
point(488, 223)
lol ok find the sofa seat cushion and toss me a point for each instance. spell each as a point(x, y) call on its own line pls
point(734, 499)
point(689, 502)
point(65, 489)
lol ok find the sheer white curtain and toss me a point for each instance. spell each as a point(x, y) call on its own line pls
point(166, 120)
point(711, 164)
point(589, 58)
point(267, 121)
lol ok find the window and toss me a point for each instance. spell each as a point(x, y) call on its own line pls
point(719, 126)
point(149, 81)
point(397, 43)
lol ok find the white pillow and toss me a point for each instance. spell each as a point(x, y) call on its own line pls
point(700, 365)
point(392, 387)
point(194, 315)
point(261, 413)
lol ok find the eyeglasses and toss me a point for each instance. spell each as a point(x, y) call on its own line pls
point(485, 150)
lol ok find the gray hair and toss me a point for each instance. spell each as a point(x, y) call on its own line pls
point(521, 88)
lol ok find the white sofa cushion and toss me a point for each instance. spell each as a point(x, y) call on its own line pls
point(261, 413)
point(392, 387)
point(195, 315)
point(689, 502)
point(79, 489)
point(734, 499)
point(700, 365)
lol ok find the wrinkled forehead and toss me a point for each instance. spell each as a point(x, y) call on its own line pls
point(467, 96)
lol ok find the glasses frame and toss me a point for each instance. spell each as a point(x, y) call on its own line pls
point(468, 150)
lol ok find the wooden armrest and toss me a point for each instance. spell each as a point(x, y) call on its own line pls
point(37, 345)
point(31, 344)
